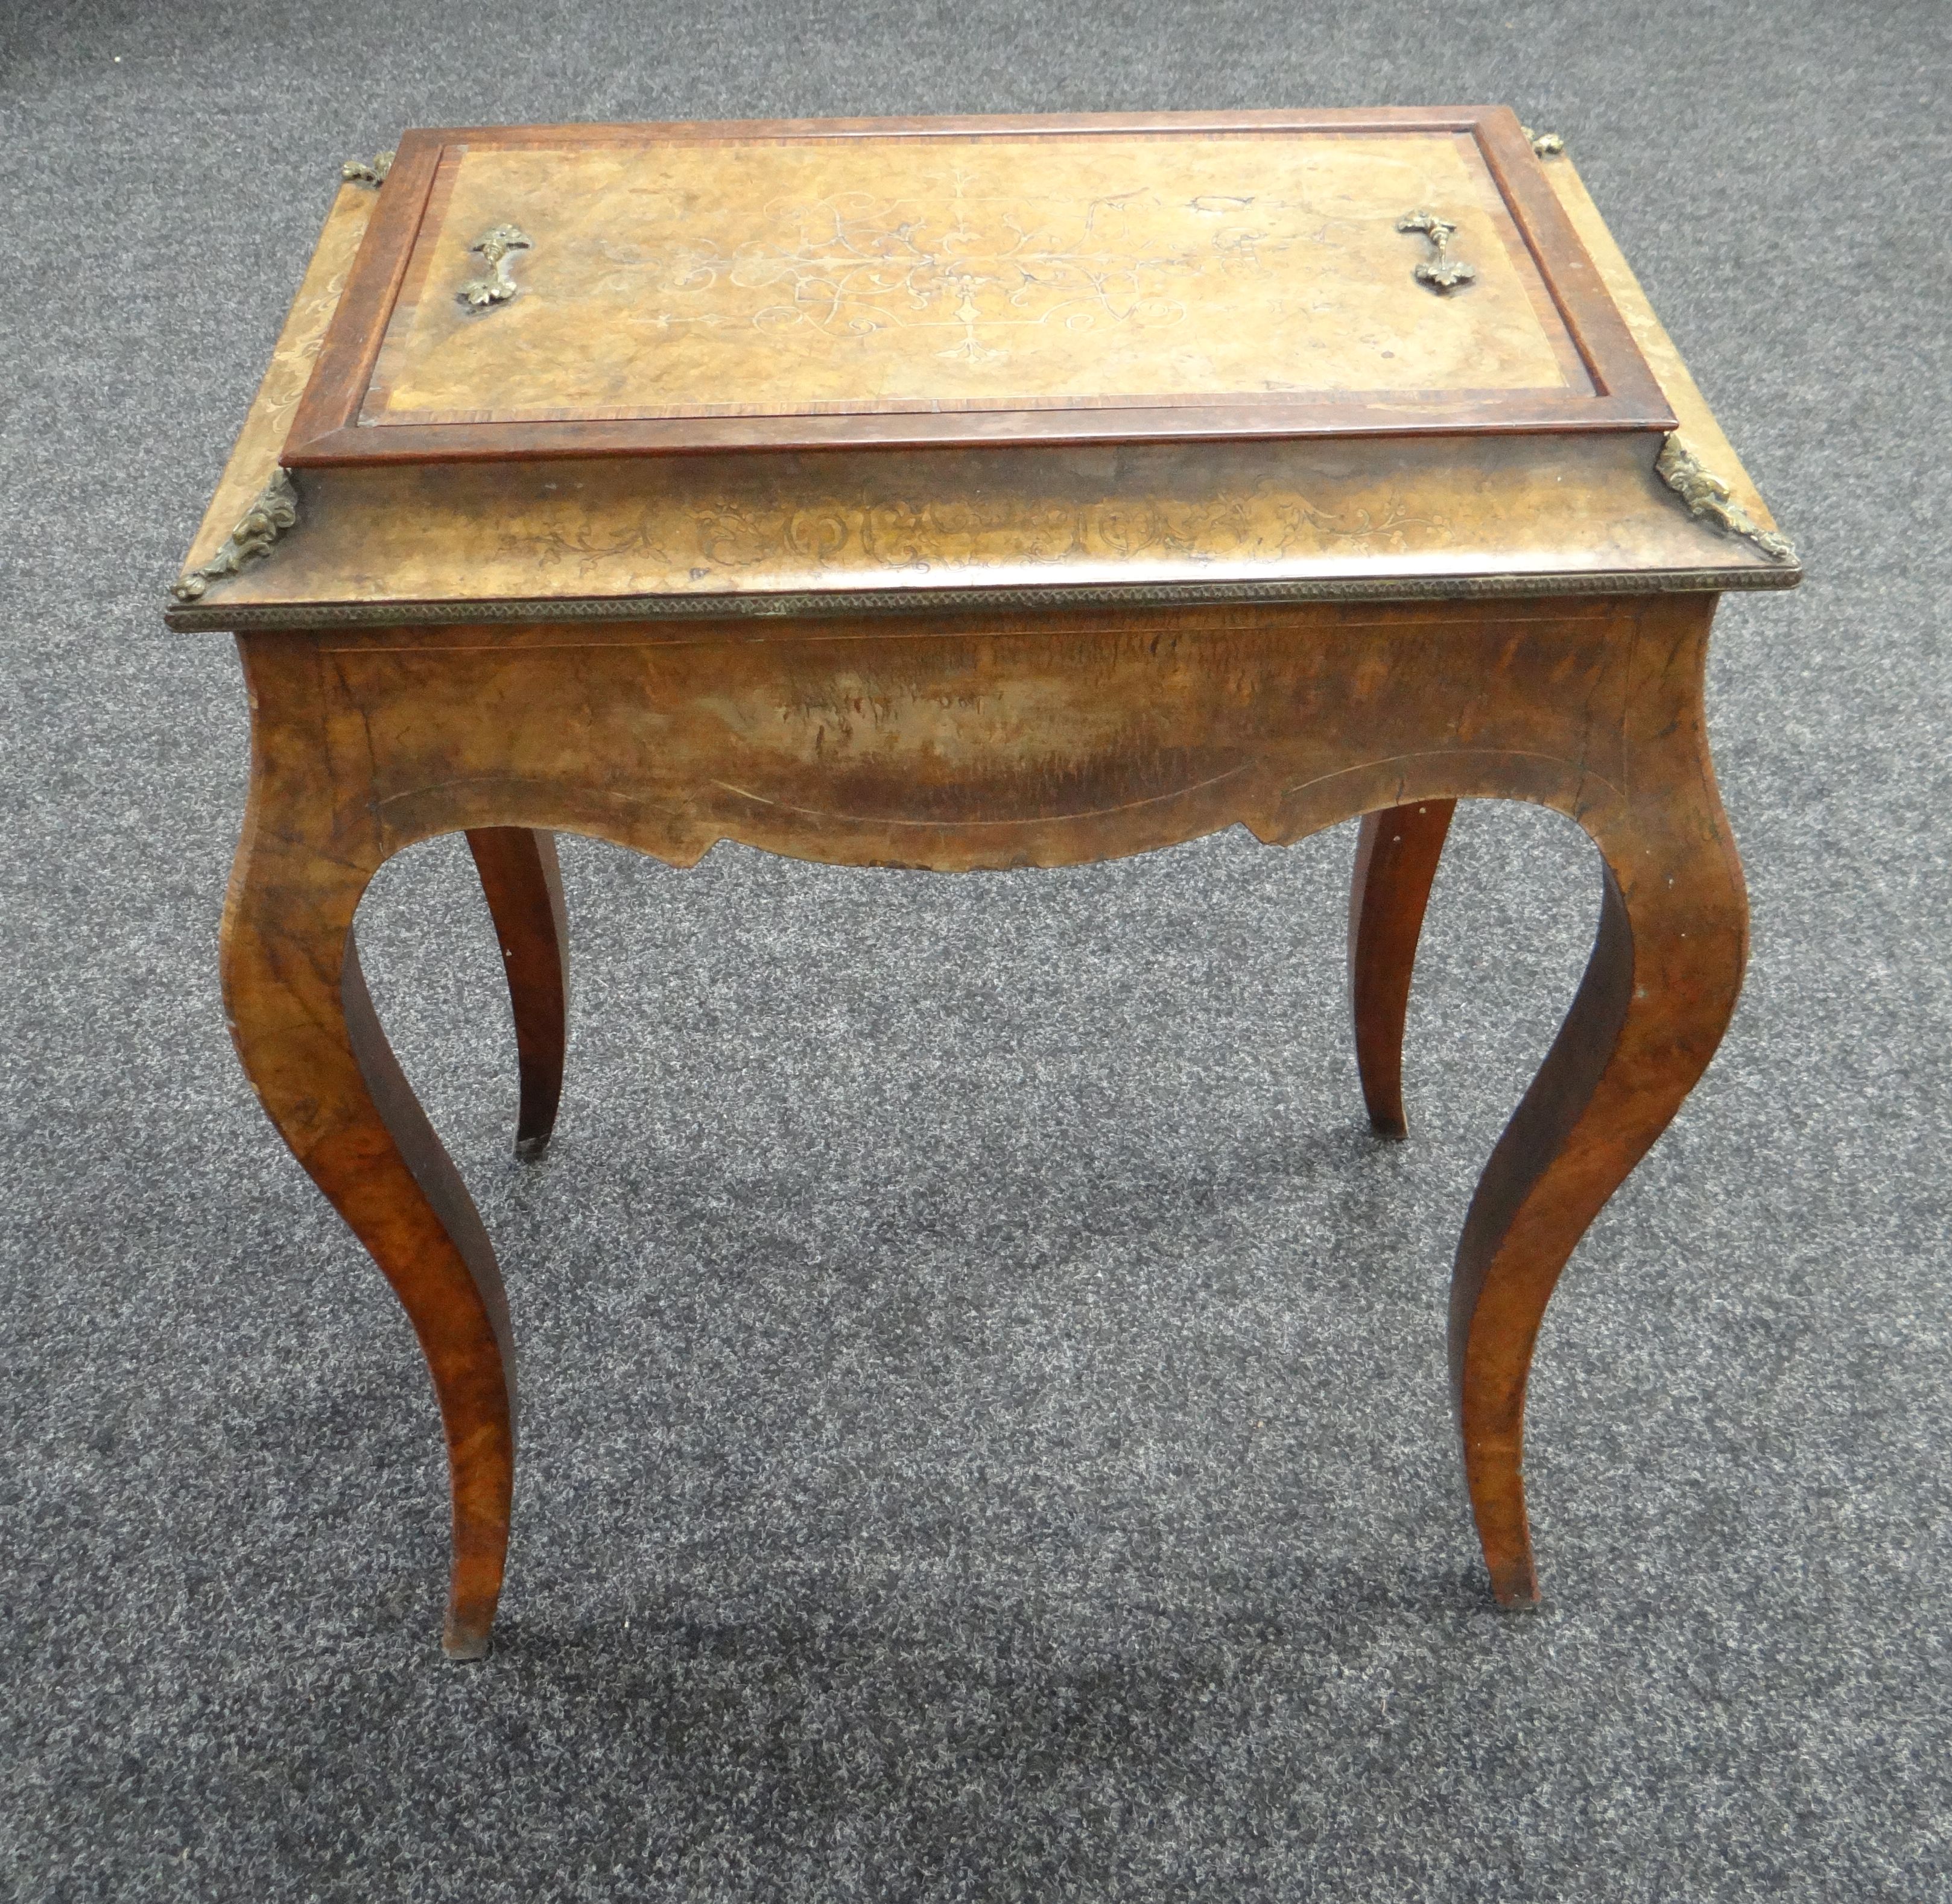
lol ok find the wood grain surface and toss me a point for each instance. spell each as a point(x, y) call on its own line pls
point(768, 275)
point(1446, 514)
point(523, 884)
point(260, 446)
point(1075, 738)
point(963, 281)
point(854, 531)
point(1396, 856)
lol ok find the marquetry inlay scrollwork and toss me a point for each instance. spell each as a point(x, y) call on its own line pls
point(1440, 271)
point(363, 171)
point(1707, 495)
point(855, 533)
point(275, 511)
point(497, 249)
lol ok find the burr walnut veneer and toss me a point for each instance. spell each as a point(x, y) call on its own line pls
point(973, 493)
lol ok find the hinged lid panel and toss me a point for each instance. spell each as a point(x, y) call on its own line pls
point(543, 292)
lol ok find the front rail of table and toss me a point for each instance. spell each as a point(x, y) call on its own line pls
point(981, 740)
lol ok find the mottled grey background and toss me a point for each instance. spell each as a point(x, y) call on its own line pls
point(986, 1430)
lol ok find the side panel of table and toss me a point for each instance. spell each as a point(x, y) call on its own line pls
point(985, 743)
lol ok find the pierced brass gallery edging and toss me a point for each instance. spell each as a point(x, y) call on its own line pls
point(274, 511)
point(1707, 495)
point(364, 171)
point(1546, 144)
point(1440, 271)
point(497, 248)
point(814, 602)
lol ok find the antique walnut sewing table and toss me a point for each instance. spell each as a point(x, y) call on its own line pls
point(972, 493)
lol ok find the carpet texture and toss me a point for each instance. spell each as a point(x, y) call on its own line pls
point(986, 1433)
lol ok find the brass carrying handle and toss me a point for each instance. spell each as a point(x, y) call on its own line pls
point(1440, 271)
point(496, 247)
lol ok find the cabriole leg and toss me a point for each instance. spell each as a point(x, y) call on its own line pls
point(1657, 995)
point(306, 1031)
point(523, 882)
point(1396, 860)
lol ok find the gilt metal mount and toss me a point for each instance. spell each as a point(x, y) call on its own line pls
point(496, 248)
point(1707, 495)
point(1546, 144)
point(1440, 271)
point(363, 171)
point(266, 519)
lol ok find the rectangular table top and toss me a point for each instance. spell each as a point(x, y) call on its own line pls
point(833, 365)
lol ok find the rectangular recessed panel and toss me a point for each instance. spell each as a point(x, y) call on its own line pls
point(527, 292)
point(806, 276)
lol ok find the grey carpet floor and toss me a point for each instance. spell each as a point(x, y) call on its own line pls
point(986, 1433)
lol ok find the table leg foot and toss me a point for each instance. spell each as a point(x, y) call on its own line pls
point(1396, 860)
point(1515, 1585)
point(312, 1047)
point(523, 883)
point(1658, 993)
point(464, 1643)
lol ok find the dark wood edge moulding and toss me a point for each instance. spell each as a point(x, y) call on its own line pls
point(326, 430)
